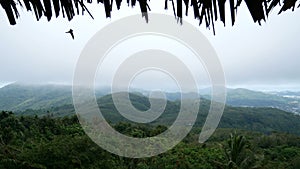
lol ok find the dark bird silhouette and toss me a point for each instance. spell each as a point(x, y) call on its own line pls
point(71, 32)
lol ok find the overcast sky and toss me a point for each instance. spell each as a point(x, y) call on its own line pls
point(253, 56)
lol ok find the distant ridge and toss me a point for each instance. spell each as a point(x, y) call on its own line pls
point(19, 97)
point(265, 120)
point(248, 98)
point(16, 96)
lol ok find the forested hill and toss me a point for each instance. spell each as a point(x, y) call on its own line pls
point(15, 97)
point(250, 98)
point(19, 97)
point(255, 119)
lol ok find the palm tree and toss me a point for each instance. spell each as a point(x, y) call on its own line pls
point(235, 146)
point(237, 156)
point(204, 10)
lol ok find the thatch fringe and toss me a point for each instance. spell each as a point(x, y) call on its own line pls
point(204, 10)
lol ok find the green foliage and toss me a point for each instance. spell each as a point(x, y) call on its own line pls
point(47, 142)
point(237, 157)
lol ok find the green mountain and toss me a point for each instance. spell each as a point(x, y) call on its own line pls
point(248, 98)
point(16, 97)
point(20, 97)
point(286, 101)
point(256, 119)
point(258, 111)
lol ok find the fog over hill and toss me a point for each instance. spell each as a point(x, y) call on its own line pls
point(19, 97)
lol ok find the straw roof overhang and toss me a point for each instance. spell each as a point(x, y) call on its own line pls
point(206, 11)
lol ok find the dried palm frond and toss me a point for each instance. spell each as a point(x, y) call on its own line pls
point(207, 11)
